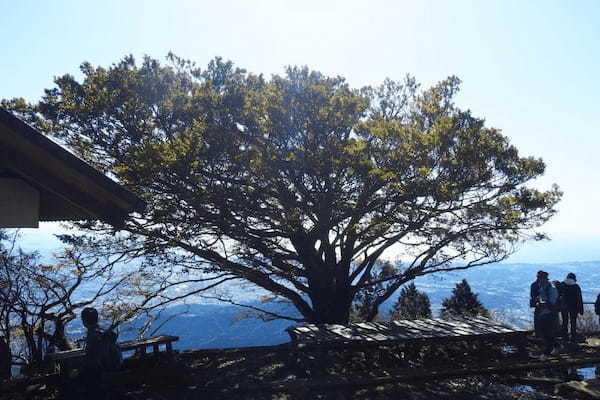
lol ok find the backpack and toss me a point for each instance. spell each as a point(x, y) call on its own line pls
point(111, 357)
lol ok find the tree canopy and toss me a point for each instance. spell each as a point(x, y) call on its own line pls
point(297, 183)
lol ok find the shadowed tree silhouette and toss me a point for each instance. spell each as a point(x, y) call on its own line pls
point(463, 302)
point(411, 304)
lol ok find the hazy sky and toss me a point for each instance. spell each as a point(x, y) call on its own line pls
point(529, 68)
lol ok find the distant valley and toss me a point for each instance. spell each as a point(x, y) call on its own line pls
point(502, 288)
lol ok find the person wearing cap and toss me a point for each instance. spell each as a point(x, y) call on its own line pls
point(534, 294)
point(571, 305)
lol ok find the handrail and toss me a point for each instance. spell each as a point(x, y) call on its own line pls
point(123, 346)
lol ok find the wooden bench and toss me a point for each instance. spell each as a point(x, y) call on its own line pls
point(75, 355)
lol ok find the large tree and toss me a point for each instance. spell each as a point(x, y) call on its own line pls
point(299, 183)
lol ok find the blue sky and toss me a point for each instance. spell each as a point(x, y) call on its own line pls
point(528, 67)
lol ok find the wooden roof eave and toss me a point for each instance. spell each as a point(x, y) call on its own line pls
point(54, 171)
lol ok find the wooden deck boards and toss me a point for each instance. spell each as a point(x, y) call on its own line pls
point(403, 330)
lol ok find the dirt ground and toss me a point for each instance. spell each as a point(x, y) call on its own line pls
point(284, 373)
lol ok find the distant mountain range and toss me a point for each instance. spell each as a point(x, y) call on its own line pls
point(502, 288)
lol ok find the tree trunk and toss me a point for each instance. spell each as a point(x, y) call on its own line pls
point(330, 290)
point(331, 306)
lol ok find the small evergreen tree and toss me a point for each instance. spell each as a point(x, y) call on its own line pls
point(463, 302)
point(411, 304)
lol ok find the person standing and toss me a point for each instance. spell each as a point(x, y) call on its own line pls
point(560, 307)
point(534, 293)
point(90, 375)
point(571, 305)
point(547, 315)
point(597, 307)
point(5, 359)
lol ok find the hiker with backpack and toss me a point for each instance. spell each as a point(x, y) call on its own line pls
point(101, 350)
point(571, 305)
point(101, 354)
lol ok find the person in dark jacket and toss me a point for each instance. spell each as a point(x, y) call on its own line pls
point(91, 372)
point(5, 359)
point(560, 306)
point(534, 294)
point(597, 307)
point(571, 305)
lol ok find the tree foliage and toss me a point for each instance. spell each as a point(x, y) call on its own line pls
point(411, 304)
point(38, 300)
point(363, 306)
point(298, 184)
point(463, 302)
